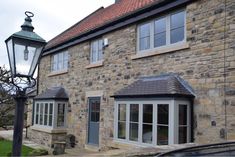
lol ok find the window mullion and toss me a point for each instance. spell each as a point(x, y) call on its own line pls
point(43, 113)
point(140, 122)
point(48, 113)
point(54, 115)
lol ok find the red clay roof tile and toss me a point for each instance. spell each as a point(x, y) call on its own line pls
point(99, 18)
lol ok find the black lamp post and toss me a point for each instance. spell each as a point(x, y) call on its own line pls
point(24, 50)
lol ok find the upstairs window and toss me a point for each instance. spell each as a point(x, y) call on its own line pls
point(163, 31)
point(96, 51)
point(59, 61)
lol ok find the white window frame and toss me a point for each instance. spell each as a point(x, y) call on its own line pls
point(172, 119)
point(97, 52)
point(54, 113)
point(168, 44)
point(64, 62)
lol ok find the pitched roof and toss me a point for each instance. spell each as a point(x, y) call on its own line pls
point(99, 18)
point(163, 85)
point(53, 93)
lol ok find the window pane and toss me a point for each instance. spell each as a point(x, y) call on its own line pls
point(182, 135)
point(60, 115)
point(177, 20)
point(147, 133)
point(177, 35)
point(97, 116)
point(100, 50)
point(94, 51)
point(144, 30)
point(51, 109)
point(41, 113)
point(163, 114)
point(160, 39)
point(144, 43)
point(50, 114)
point(160, 26)
point(93, 116)
point(45, 113)
point(54, 62)
point(134, 112)
point(37, 113)
point(65, 60)
point(122, 112)
point(50, 120)
point(144, 36)
point(182, 114)
point(122, 130)
point(134, 131)
point(162, 135)
point(60, 61)
point(147, 113)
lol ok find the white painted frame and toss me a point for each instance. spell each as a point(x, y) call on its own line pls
point(57, 61)
point(97, 54)
point(54, 113)
point(168, 44)
point(173, 125)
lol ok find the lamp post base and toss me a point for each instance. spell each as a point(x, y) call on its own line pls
point(20, 100)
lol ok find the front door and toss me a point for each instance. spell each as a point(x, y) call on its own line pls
point(94, 119)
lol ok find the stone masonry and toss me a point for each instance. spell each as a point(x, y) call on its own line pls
point(208, 65)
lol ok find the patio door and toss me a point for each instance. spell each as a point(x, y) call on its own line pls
point(94, 120)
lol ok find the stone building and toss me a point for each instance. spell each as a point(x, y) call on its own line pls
point(146, 72)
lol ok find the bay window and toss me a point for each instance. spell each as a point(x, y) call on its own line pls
point(152, 122)
point(162, 32)
point(49, 114)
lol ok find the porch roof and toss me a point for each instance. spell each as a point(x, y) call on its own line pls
point(53, 93)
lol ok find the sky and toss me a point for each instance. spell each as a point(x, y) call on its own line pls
point(51, 17)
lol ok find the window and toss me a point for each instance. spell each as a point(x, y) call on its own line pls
point(134, 122)
point(162, 124)
point(152, 122)
point(96, 51)
point(163, 31)
point(183, 126)
point(122, 121)
point(45, 113)
point(59, 61)
point(147, 123)
point(144, 36)
point(60, 114)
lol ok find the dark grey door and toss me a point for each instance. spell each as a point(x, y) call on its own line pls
point(94, 120)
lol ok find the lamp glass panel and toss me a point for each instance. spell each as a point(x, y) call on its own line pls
point(22, 64)
point(11, 55)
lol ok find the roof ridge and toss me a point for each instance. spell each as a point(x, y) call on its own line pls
point(100, 8)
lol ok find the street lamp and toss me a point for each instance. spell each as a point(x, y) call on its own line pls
point(24, 50)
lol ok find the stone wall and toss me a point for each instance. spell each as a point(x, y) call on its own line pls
point(202, 65)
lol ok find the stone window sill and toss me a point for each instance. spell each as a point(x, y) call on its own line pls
point(162, 50)
point(95, 65)
point(49, 130)
point(54, 73)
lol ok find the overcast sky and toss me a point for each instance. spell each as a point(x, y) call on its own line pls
point(51, 17)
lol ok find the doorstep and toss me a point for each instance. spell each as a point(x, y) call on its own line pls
point(92, 148)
